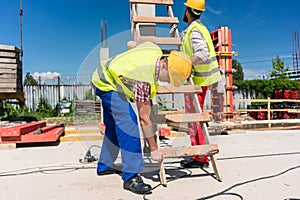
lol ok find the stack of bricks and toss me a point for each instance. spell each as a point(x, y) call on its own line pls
point(10, 70)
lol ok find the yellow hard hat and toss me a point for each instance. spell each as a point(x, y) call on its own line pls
point(179, 67)
point(196, 4)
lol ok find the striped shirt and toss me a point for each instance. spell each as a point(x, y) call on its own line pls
point(199, 44)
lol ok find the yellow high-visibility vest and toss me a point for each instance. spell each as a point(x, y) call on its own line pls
point(207, 72)
point(137, 64)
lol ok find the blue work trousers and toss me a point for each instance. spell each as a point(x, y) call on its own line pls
point(121, 133)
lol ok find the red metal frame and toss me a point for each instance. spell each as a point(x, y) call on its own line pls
point(32, 132)
point(222, 104)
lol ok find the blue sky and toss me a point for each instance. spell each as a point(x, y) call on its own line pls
point(59, 34)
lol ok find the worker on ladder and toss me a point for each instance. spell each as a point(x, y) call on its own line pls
point(132, 77)
point(198, 45)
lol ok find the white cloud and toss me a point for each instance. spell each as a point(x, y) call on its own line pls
point(45, 75)
point(216, 12)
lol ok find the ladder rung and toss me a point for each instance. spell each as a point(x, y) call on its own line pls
point(182, 89)
point(181, 151)
point(160, 40)
point(191, 117)
point(163, 2)
point(157, 20)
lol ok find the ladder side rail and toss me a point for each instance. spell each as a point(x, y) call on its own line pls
point(199, 110)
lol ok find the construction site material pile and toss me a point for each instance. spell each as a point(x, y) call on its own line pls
point(287, 106)
point(33, 132)
point(10, 75)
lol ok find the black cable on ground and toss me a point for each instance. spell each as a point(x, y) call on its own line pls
point(225, 192)
point(172, 179)
point(45, 169)
point(260, 155)
point(246, 182)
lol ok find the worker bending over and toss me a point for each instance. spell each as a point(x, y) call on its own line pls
point(198, 45)
point(132, 77)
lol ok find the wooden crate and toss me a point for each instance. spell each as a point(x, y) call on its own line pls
point(10, 69)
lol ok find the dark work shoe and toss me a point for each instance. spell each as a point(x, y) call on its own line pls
point(193, 164)
point(137, 185)
point(107, 172)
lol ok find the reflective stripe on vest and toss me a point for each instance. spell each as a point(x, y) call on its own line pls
point(207, 72)
point(210, 73)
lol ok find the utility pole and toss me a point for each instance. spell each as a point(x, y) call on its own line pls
point(296, 50)
point(58, 87)
point(21, 29)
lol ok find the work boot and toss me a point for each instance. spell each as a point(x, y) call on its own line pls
point(193, 164)
point(113, 170)
point(107, 172)
point(137, 185)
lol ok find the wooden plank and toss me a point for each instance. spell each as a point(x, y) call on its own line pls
point(8, 76)
point(7, 71)
point(169, 112)
point(8, 60)
point(162, 173)
point(4, 88)
point(182, 151)
point(7, 80)
point(215, 167)
point(9, 85)
point(170, 101)
point(293, 111)
point(178, 126)
point(7, 146)
point(9, 54)
point(7, 90)
point(8, 48)
point(176, 90)
point(12, 95)
point(162, 2)
point(190, 117)
point(157, 20)
point(266, 110)
point(266, 100)
point(160, 40)
point(10, 66)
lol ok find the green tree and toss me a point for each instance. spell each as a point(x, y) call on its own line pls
point(278, 69)
point(29, 80)
point(265, 88)
point(239, 74)
point(44, 108)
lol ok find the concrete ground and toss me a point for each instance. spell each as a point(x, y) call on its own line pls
point(255, 165)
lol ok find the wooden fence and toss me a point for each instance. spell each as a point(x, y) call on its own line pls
point(53, 94)
point(270, 111)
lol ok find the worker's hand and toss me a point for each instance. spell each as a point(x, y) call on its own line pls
point(157, 155)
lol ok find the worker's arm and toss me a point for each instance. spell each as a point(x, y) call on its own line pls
point(144, 114)
point(200, 48)
point(196, 60)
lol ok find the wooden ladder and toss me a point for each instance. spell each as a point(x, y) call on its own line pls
point(173, 119)
point(138, 20)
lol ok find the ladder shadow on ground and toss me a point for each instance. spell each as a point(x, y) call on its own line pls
point(176, 173)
